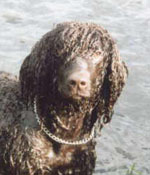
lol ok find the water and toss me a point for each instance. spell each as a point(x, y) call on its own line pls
point(127, 139)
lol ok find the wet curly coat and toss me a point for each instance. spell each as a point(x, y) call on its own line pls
point(25, 148)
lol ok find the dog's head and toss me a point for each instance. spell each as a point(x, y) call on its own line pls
point(76, 61)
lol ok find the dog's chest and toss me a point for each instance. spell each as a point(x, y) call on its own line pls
point(46, 153)
point(68, 121)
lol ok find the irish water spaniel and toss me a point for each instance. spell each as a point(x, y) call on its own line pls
point(66, 92)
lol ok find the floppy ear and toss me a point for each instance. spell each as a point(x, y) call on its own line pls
point(38, 69)
point(114, 81)
point(27, 79)
point(115, 73)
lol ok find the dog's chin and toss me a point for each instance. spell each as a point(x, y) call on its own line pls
point(76, 97)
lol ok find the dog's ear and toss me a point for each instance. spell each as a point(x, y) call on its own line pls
point(114, 81)
point(27, 79)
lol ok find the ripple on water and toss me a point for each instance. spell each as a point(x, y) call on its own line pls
point(126, 140)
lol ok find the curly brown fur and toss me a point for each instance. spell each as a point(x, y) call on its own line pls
point(25, 148)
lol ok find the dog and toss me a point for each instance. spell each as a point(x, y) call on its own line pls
point(66, 91)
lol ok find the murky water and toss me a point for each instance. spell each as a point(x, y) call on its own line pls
point(127, 139)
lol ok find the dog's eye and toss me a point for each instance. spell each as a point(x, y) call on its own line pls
point(72, 82)
point(83, 83)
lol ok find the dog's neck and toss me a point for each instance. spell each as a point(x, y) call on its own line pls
point(65, 119)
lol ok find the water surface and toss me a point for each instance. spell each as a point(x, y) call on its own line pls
point(127, 139)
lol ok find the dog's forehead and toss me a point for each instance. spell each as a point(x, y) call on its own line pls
point(80, 62)
point(81, 74)
point(75, 63)
point(83, 62)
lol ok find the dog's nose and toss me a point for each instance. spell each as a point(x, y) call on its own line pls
point(78, 83)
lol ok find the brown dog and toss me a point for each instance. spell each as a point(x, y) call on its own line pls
point(68, 87)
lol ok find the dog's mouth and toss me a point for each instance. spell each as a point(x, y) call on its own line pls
point(79, 96)
point(75, 95)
